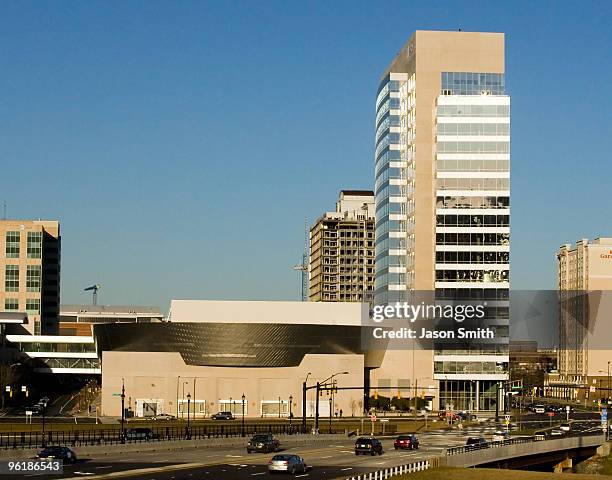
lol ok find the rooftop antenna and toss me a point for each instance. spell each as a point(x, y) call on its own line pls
point(303, 267)
point(4, 210)
point(94, 289)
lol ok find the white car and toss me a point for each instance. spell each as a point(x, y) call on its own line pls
point(164, 416)
point(566, 427)
point(539, 409)
point(500, 436)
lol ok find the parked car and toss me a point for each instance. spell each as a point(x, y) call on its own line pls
point(139, 433)
point(61, 453)
point(164, 416)
point(223, 416)
point(500, 435)
point(410, 441)
point(263, 443)
point(287, 463)
point(371, 445)
point(476, 442)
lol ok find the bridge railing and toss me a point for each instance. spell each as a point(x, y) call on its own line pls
point(512, 441)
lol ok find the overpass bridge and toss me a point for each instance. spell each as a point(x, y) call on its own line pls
point(527, 452)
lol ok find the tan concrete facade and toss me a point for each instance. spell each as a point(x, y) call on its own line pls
point(420, 64)
point(30, 272)
point(161, 381)
point(585, 267)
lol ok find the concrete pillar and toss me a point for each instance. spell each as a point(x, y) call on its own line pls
point(564, 464)
point(477, 395)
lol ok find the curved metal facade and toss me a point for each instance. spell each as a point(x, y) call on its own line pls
point(231, 344)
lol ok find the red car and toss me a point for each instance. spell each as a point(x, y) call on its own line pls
point(410, 441)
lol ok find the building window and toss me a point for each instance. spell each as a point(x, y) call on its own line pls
point(33, 306)
point(34, 244)
point(11, 278)
point(234, 406)
point(11, 304)
point(33, 275)
point(12, 244)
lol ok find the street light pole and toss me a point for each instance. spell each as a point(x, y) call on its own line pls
point(188, 435)
point(330, 412)
point(304, 403)
point(316, 426)
point(242, 428)
point(122, 410)
point(290, 413)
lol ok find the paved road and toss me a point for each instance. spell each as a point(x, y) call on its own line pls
point(328, 461)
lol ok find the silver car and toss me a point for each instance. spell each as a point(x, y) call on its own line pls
point(287, 463)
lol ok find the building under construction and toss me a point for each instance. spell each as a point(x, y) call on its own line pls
point(342, 250)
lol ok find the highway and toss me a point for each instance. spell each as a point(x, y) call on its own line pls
point(330, 461)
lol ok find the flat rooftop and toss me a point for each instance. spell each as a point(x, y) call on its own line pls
point(318, 313)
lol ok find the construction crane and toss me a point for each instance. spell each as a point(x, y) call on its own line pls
point(94, 289)
point(303, 267)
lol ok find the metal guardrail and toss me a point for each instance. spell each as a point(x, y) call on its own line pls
point(392, 471)
point(71, 438)
point(513, 441)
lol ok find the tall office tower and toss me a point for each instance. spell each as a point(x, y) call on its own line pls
point(30, 273)
point(584, 282)
point(442, 152)
point(342, 250)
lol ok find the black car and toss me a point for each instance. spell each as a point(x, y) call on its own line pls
point(263, 443)
point(368, 445)
point(56, 452)
point(476, 443)
point(142, 434)
point(223, 416)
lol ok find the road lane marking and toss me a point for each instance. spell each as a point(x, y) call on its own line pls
point(258, 473)
point(345, 469)
point(327, 456)
point(302, 475)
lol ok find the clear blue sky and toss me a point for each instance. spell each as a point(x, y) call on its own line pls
point(182, 143)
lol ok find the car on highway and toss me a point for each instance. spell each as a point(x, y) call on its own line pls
point(476, 443)
point(409, 441)
point(500, 435)
point(368, 445)
point(164, 416)
point(539, 409)
point(140, 433)
point(566, 427)
point(557, 433)
point(57, 452)
point(287, 463)
point(263, 443)
point(223, 416)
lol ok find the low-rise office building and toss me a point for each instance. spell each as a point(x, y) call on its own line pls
point(30, 275)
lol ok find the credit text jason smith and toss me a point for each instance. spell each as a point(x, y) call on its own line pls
point(401, 333)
